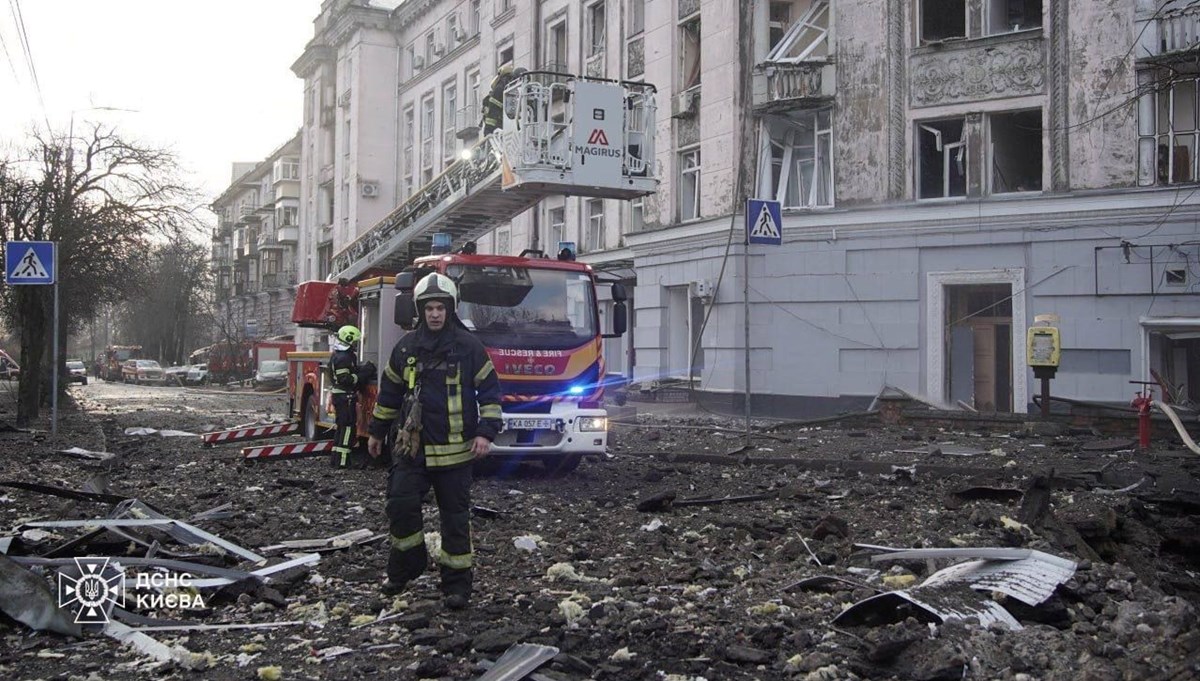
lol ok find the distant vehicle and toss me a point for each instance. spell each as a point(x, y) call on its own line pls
point(197, 374)
point(141, 371)
point(177, 374)
point(112, 361)
point(9, 369)
point(272, 373)
point(76, 371)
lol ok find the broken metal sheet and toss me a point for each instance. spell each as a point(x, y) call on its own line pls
point(305, 559)
point(201, 535)
point(340, 541)
point(63, 492)
point(937, 603)
point(1030, 580)
point(5, 544)
point(218, 513)
point(80, 453)
point(146, 645)
point(519, 661)
point(1025, 574)
point(25, 597)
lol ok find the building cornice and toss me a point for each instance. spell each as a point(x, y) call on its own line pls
point(315, 53)
point(1043, 211)
point(426, 74)
point(410, 11)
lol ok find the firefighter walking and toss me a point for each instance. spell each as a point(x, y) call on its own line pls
point(343, 362)
point(441, 387)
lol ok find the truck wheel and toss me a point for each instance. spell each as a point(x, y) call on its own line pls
point(308, 417)
point(559, 466)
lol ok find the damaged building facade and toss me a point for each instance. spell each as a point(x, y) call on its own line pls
point(254, 247)
point(948, 171)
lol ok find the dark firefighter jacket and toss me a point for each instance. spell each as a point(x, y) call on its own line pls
point(344, 365)
point(459, 392)
point(493, 105)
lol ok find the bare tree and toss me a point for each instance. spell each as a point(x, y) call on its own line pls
point(101, 198)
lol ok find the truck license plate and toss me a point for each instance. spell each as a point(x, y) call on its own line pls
point(529, 424)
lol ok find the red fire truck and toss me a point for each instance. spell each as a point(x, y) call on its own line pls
point(537, 316)
point(108, 364)
point(538, 319)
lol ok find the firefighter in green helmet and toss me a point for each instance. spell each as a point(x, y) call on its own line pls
point(343, 362)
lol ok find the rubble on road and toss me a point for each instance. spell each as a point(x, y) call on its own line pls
point(669, 559)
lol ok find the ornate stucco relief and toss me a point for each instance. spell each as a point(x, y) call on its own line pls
point(1011, 69)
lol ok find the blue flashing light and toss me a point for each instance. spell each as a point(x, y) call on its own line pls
point(575, 390)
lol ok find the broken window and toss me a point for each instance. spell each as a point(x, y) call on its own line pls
point(1016, 152)
point(1004, 16)
point(941, 159)
point(594, 237)
point(807, 38)
point(637, 16)
point(689, 185)
point(556, 48)
point(595, 14)
point(689, 54)
point(427, 124)
point(557, 218)
point(796, 160)
point(943, 19)
point(637, 215)
point(1167, 128)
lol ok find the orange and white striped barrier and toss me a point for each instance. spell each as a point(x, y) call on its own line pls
point(250, 433)
point(293, 451)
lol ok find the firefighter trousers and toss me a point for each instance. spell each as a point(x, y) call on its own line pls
point(408, 482)
point(345, 411)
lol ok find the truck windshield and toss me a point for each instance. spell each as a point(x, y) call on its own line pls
point(518, 306)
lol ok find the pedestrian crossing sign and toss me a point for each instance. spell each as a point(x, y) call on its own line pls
point(29, 263)
point(763, 223)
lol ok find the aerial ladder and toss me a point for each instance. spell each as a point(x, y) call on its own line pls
point(560, 134)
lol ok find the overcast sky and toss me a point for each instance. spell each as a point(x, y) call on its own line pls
point(209, 79)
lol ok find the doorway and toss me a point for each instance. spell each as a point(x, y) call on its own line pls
point(1173, 354)
point(685, 319)
point(953, 330)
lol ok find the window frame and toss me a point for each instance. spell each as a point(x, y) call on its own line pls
point(697, 172)
point(923, 128)
point(594, 239)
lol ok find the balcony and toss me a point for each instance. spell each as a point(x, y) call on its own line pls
point(287, 234)
point(791, 84)
point(278, 279)
point(326, 174)
point(268, 241)
point(467, 119)
point(1179, 31)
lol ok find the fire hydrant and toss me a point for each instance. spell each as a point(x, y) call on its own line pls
point(1142, 403)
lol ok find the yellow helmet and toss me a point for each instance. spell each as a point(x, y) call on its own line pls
point(349, 334)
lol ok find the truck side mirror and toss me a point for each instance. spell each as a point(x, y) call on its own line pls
point(618, 292)
point(405, 314)
point(620, 319)
point(404, 281)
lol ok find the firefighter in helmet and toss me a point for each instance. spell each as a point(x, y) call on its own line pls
point(346, 374)
point(493, 106)
point(441, 388)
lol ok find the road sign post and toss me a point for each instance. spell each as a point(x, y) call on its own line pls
point(35, 263)
point(763, 226)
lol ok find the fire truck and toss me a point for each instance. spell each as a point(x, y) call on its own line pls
point(537, 316)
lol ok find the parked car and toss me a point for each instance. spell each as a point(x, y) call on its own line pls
point(272, 373)
point(197, 374)
point(141, 371)
point(177, 375)
point(9, 369)
point(77, 372)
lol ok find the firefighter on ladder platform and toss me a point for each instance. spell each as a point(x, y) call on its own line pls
point(343, 362)
point(493, 106)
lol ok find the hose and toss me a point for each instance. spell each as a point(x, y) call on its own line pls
point(1187, 439)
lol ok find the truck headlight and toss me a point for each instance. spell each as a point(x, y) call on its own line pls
point(592, 424)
